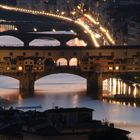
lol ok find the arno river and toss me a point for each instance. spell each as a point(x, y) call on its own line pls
point(67, 90)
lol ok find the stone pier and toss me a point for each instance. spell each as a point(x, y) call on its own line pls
point(94, 85)
point(26, 85)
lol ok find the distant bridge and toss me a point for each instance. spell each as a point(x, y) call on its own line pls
point(25, 22)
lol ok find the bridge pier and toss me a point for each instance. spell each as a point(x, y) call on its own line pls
point(26, 84)
point(94, 85)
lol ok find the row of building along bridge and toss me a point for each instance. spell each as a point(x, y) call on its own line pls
point(105, 60)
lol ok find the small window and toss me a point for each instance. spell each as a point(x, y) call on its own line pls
point(11, 54)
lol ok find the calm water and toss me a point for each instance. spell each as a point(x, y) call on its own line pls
point(67, 90)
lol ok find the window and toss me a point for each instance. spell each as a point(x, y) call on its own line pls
point(11, 54)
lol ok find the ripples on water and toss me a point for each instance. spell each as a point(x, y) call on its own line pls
point(70, 91)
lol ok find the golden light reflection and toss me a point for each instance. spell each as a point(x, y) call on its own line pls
point(118, 86)
point(7, 27)
point(20, 100)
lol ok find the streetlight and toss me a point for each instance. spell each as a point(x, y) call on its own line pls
point(34, 29)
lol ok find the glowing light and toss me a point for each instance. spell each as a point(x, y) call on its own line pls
point(73, 62)
point(20, 68)
point(53, 30)
point(91, 19)
point(15, 28)
point(101, 28)
point(85, 27)
point(35, 29)
point(117, 68)
point(8, 68)
point(110, 68)
point(36, 12)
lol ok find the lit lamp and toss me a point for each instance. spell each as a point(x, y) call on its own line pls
point(15, 28)
point(35, 29)
point(8, 68)
point(20, 68)
point(110, 68)
point(117, 68)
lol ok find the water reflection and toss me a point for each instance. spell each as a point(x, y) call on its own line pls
point(116, 86)
point(125, 103)
point(70, 91)
point(7, 27)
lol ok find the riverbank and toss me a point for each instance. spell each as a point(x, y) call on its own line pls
point(62, 123)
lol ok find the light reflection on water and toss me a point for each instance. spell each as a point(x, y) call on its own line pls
point(117, 86)
point(70, 91)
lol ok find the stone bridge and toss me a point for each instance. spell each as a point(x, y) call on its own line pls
point(28, 64)
point(25, 22)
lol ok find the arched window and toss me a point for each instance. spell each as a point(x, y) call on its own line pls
point(73, 62)
point(62, 62)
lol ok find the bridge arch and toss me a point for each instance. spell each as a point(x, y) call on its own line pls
point(74, 61)
point(8, 40)
point(62, 62)
point(76, 42)
point(47, 83)
point(8, 80)
point(45, 41)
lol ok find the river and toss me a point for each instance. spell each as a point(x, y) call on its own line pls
point(67, 90)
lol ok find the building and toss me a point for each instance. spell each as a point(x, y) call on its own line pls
point(57, 123)
point(134, 32)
